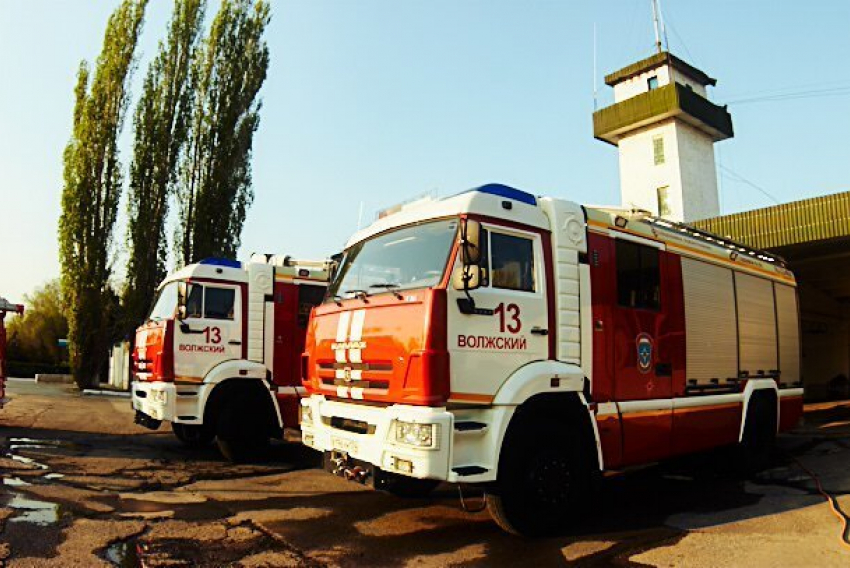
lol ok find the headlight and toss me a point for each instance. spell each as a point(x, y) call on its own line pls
point(159, 396)
point(305, 414)
point(418, 435)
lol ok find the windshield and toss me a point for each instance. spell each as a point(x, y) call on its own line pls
point(412, 257)
point(165, 304)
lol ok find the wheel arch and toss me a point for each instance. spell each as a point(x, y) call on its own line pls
point(758, 388)
point(569, 409)
point(226, 389)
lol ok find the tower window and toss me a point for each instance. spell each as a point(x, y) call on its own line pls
point(658, 149)
point(652, 82)
point(664, 201)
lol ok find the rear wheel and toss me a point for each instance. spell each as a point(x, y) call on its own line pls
point(242, 428)
point(193, 436)
point(759, 436)
point(404, 486)
point(544, 479)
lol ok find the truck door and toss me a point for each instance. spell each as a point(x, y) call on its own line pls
point(511, 327)
point(211, 331)
point(641, 349)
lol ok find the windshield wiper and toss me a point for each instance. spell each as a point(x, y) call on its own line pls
point(362, 294)
point(389, 286)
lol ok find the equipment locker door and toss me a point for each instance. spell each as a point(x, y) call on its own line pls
point(641, 348)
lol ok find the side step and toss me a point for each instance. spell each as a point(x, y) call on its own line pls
point(466, 470)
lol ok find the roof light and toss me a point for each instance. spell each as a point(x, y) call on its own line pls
point(507, 192)
point(228, 262)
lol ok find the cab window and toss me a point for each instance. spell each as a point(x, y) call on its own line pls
point(219, 302)
point(194, 301)
point(638, 276)
point(512, 262)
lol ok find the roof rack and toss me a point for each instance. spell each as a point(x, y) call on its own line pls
point(710, 237)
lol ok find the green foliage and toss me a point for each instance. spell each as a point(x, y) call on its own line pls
point(161, 127)
point(34, 336)
point(215, 188)
point(92, 189)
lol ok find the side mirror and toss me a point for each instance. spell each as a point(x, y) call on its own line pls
point(182, 292)
point(467, 277)
point(470, 241)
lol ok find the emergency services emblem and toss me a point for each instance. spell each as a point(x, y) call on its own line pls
point(644, 352)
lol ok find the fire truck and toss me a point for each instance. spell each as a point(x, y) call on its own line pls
point(219, 354)
point(5, 307)
point(527, 344)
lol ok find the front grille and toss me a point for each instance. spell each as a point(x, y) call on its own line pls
point(350, 425)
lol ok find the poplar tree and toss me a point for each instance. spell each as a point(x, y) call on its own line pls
point(91, 192)
point(161, 127)
point(215, 188)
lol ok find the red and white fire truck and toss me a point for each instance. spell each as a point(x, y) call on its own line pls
point(220, 353)
point(526, 344)
point(5, 307)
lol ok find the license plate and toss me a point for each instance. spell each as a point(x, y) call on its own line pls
point(344, 446)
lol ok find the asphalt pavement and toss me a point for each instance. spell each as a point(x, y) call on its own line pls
point(84, 486)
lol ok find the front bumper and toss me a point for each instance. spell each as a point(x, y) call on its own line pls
point(377, 446)
point(169, 402)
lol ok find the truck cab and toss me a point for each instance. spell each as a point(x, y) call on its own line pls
point(219, 354)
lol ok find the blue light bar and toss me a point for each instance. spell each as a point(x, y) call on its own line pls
point(228, 262)
point(507, 192)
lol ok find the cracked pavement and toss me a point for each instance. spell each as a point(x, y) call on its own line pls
point(84, 486)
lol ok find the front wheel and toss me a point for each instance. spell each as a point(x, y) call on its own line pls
point(193, 436)
point(242, 430)
point(544, 480)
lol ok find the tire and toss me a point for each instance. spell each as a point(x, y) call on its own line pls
point(407, 487)
point(757, 442)
point(242, 428)
point(545, 479)
point(193, 436)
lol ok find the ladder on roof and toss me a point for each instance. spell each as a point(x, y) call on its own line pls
point(711, 238)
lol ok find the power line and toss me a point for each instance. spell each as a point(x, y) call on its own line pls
point(735, 176)
point(811, 94)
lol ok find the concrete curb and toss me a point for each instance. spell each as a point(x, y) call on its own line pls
point(99, 392)
point(54, 379)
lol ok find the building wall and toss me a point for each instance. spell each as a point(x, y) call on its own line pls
point(640, 178)
point(666, 74)
point(698, 174)
point(638, 84)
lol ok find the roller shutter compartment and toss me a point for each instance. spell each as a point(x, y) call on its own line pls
point(710, 326)
point(788, 324)
point(756, 324)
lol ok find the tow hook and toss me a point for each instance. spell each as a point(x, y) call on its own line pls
point(342, 467)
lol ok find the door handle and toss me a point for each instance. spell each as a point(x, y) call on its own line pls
point(234, 342)
point(539, 331)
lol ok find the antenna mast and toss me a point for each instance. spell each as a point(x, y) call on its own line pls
point(656, 17)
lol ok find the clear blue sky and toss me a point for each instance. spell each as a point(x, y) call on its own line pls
point(375, 101)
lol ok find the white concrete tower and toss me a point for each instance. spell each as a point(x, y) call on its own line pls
point(665, 128)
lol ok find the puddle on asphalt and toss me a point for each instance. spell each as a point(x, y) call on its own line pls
point(123, 554)
point(28, 509)
point(27, 461)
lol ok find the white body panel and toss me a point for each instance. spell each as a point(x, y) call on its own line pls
point(569, 239)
